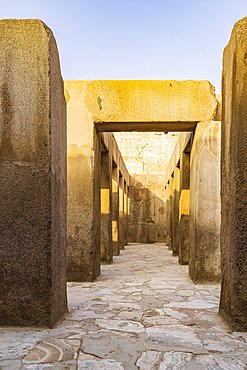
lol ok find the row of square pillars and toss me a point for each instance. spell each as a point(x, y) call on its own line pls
point(193, 201)
point(115, 201)
point(33, 166)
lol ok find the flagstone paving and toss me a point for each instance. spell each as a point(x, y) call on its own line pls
point(142, 313)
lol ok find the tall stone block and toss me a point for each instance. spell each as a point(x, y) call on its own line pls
point(115, 209)
point(125, 213)
point(32, 176)
point(171, 212)
point(84, 210)
point(184, 205)
point(167, 213)
point(106, 253)
point(233, 180)
point(176, 193)
point(121, 212)
point(204, 262)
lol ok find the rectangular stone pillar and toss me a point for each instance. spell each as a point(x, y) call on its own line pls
point(204, 262)
point(121, 212)
point(171, 211)
point(184, 205)
point(176, 193)
point(168, 213)
point(106, 252)
point(125, 213)
point(115, 209)
point(233, 301)
point(128, 212)
point(32, 176)
point(84, 210)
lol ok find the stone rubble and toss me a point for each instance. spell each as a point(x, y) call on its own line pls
point(142, 313)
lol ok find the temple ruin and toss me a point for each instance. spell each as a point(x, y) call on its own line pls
point(116, 184)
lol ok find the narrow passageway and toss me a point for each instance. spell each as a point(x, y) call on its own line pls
point(143, 312)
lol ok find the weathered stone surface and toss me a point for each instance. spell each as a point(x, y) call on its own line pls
point(146, 156)
point(53, 351)
point(171, 188)
point(233, 179)
point(121, 213)
point(84, 232)
point(115, 210)
point(184, 204)
point(32, 176)
point(139, 105)
point(168, 213)
point(106, 250)
point(142, 311)
point(204, 262)
point(175, 211)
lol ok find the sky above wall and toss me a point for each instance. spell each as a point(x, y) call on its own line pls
point(136, 39)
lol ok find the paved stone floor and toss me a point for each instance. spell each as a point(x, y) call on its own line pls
point(142, 312)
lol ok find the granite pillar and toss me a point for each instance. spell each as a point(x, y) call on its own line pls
point(84, 209)
point(106, 253)
point(168, 213)
point(176, 193)
point(32, 176)
point(121, 211)
point(233, 301)
point(184, 202)
point(115, 209)
point(171, 187)
point(125, 213)
point(204, 261)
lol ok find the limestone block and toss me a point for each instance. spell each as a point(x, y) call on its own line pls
point(141, 194)
point(115, 210)
point(184, 205)
point(84, 232)
point(233, 180)
point(138, 232)
point(171, 187)
point(134, 105)
point(168, 213)
point(138, 212)
point(106, 250)
point(175, 204)
point(204, 263)
point(32, 176)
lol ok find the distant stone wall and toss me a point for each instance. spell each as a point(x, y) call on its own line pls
point(146, 155)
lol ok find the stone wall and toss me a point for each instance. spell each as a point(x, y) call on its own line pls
point(146, 155)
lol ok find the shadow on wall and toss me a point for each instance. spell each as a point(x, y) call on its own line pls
point(147, 209)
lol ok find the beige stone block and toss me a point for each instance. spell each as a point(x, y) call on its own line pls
point(128, 105)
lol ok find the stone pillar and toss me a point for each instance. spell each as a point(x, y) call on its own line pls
point(128, 212)
point(233, 301)
point(184, 205)
point(84, 210)
point(121, 211)
point(176, 192)
point(115, 209)
point(171, 211)
point(204, 263)
point(125, 212)
point(168, 213)
point(32, 176)
point(106, 252)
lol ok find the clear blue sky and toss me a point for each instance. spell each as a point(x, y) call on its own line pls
point(136, 39)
